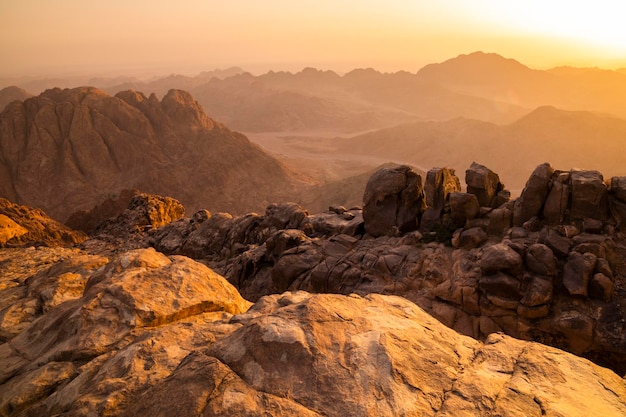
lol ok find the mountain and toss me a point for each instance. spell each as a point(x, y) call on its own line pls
point(570, 139)
point(10, 94)
point(68, 150)
point(494, 77)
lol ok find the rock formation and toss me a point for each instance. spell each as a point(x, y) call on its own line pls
point(68, 150)
point(21, 226)
point(140, 333)
point(557, 284)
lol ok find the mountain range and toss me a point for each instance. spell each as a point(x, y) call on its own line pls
point(67, 150)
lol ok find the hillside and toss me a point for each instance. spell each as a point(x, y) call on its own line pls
point(68, 150)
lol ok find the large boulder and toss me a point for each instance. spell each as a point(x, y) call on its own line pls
point(557, 202)
point(439, 184)
point(589, 195)
point(393, 201)
point(463, 207)
point(484, 183)
point(531, 201)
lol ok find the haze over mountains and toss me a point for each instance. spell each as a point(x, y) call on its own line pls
point(329, 127)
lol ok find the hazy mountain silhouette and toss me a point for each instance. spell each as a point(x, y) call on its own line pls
point(494, 77)
point(569, 139)
point(67, 150)
point(10, 94)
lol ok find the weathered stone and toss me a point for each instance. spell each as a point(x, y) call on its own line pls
point(393, 201)
point(500, 285)
point(603, 267)
point(589, 195)
point(577, 328)
point(463, 206)
point(617, 188)
point(500, 220)
point(601, 287)
point(25, 226)
point(577, 272)
point(483, 183)
point(539, 292)
point(9, 229)
point(559, 244)
point(592, 225)
point(541, 260)
point(618, 211)
point(439, 183)
point(533, 312)
point(557, 201)
point(500, 257)
point(470, 238)
point(568, 230)
point(283, 240)
point(502, 197)
point(533, 197)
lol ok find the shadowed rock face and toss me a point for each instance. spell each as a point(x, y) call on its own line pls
point(140, 333)
point(67, 150)
point(393, 201)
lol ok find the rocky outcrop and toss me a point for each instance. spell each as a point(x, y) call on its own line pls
point(534, 282)
point(68, 150)
point(145, 212)
point(145, 334)
point(484, 184)
point(26, 226)
point(89, 220)
point(579, 198)
point(393, 201)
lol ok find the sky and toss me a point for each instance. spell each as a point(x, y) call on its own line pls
point(143, 37)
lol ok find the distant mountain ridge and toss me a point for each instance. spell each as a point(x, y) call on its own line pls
point(67, 150)
point(573, 139)
point(479, 85)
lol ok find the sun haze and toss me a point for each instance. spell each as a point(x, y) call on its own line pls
point(39, 37)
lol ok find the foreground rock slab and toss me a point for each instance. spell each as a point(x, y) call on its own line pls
point(148, 334)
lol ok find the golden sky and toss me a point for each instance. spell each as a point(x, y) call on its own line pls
point(44, 37)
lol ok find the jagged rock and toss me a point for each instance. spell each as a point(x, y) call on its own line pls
point(559, 244)
point(484, 183)
point(541, 260)
point(589, 195)
point(469, 238)
point(557, 202)
point(499, 220)
point(393, 201)
point(577, 272)
point(463, 207)
point(539, 292)
point(531, 201)
point(23, 226)
point(89, 220)
point(348, 222)
point(145, 213)
point(439, 184)
point(617, 188)
point(501, 285)
point(601, 287)
point(500, 257)
point(9, 229)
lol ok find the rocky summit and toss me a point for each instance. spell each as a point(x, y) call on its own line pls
point(68, 150)
point(428, 301)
